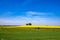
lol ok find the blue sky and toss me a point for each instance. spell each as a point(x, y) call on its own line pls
point(37, 12)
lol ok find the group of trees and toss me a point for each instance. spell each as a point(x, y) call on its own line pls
point(28, 24)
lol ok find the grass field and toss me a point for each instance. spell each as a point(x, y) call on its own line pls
point(26, 33)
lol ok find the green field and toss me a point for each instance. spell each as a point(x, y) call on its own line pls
point(29, 34)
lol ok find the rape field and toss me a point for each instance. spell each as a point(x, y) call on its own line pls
point(30, 26)
point(29, 32)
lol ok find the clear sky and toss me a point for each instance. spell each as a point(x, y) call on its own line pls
point(37, 12)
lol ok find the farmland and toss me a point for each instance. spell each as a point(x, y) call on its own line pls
point(29, 33)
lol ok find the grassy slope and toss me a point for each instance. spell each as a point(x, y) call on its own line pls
point(29, 34)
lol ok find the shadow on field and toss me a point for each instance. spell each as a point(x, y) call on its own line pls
point(37, 28)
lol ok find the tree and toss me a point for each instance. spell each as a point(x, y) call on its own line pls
point(27, 24)
point(30, 24)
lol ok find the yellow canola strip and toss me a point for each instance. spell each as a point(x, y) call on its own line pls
point(32, 27)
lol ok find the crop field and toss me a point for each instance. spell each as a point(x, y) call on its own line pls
point(29, 33)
